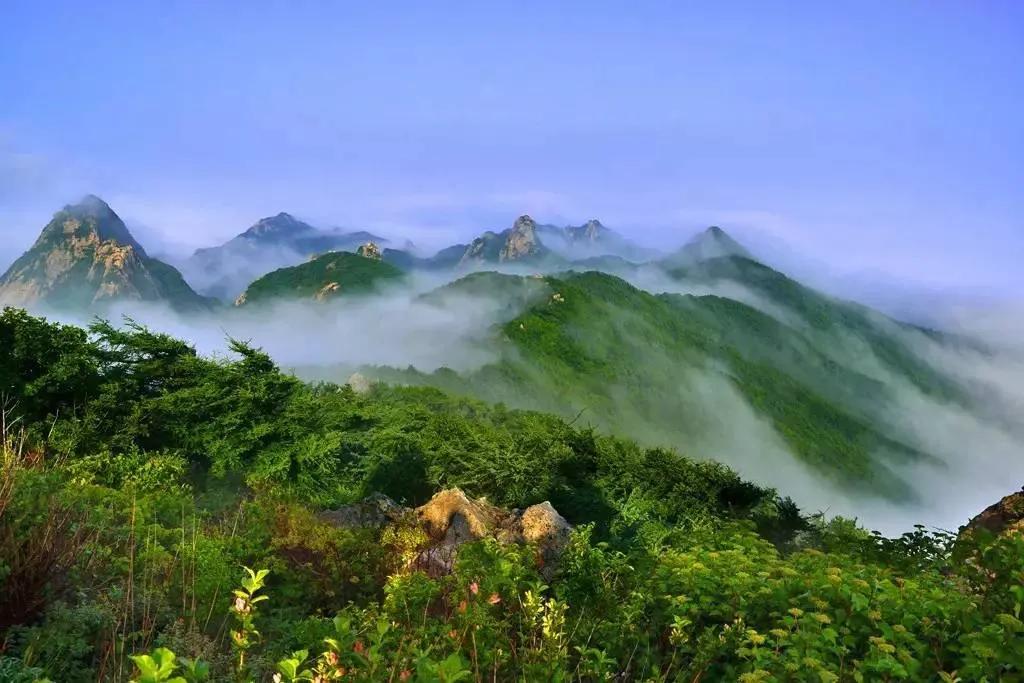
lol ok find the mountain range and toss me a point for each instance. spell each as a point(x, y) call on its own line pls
point(677, 349)
point(275, 242)
point(85, 257)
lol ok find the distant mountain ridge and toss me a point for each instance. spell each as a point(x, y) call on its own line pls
point(271, 243)
point(518, 243)
point(86, 258)
point(323, 278)
point(710, 244)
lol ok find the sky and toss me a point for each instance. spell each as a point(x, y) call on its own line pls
point(878, 138)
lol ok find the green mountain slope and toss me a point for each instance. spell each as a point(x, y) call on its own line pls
point(141, 482)
point(837, 327)
point(330, 275)
point(641, 365)
point(85, 258)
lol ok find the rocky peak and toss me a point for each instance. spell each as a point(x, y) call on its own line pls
point(91, 220)
point(592, 231)
point(86, 256)
point(283, 225)
point(710, 244)
point(370, 250)
point(521, 241)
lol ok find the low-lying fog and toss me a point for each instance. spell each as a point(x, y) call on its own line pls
point(983, 449)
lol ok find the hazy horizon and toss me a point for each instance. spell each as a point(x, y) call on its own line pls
point(866, 139)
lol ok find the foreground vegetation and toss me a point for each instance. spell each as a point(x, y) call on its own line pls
point(139, 479)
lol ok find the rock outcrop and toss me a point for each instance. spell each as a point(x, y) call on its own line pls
point(85, 258)
point(370, 250)
point(451, 518)
point(521, 241)
point(518, 243)
point(373, 512)
point(1004, 517)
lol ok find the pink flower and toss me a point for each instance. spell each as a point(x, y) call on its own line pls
point(474, 588)
point(359, 647)
point(494, 599)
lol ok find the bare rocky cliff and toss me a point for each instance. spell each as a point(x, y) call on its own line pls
point(85, 258)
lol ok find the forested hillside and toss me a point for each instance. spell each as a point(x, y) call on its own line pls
point(140, 477)
point(669, 368)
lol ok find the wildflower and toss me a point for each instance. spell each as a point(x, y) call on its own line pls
point(405, 675)
point(822, 618)
point(277, 678)
point(474, 588)
point(462, 606)
point(796, 612)
point(453, 634)
point(358, 648)
point(240, 606)
point(332, 657)
point(494, 599)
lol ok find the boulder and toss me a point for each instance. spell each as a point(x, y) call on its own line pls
point(1006, 516)
point(451, 518)
point(373, 512)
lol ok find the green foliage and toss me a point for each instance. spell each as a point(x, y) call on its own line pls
point(160, 473)
point(656, 368)
point(353, 274)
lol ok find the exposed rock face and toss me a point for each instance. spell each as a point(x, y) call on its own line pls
point(590, 232)
point(85, 257)
point(515, 244)
point(521, 242)
point(370, 250)
point(452, 518)
point(327, 291)
point(374, 512)
point(542, 526)
point(1004, 517)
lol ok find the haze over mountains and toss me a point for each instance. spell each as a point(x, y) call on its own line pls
point(704, 349)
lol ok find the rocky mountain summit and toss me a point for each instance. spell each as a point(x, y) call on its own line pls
point(273, 242)
point(518, 243)
point(451, 518)
point(322, 278)
point(86, 258)
point(370, 250)
point(711, 244)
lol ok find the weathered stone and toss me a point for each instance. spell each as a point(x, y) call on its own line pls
point(521, 241)
point(473, 519)
point(1006, 516)
point(329, 290)
point(451, 518)
point(370, 250)
point(373, 512)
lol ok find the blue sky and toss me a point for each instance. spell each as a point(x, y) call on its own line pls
point(872, 136)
